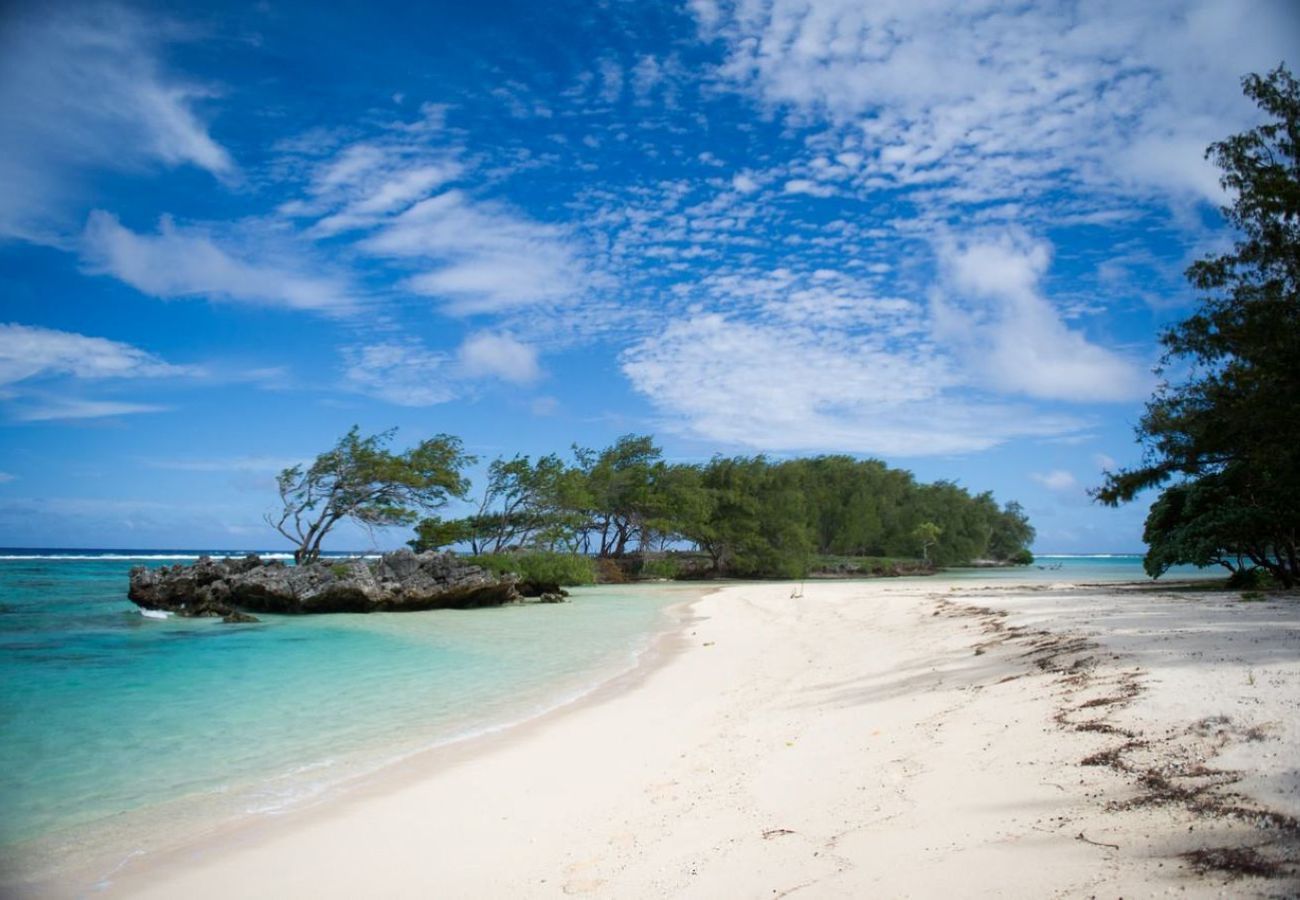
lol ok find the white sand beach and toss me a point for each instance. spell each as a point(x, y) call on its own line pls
point(920, 738)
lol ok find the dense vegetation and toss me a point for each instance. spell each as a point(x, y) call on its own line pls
point(1228, 435)
point(750, 516)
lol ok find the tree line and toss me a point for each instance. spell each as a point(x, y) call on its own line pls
point(748, 516)
point(751, 516)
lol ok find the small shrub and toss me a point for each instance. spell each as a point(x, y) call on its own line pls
point(660, 568)
point(540, 567)
point(340, 570)
point(1252, 579)
point(610, 572)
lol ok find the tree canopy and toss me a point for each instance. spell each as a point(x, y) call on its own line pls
point(360, 480)
point(750, 516)
point(1228, 433)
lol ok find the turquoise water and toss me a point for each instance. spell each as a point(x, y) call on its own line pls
point(112, 723)
point(1101, 567)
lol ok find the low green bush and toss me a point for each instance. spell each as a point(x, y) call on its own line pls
point(541, 567)
point(660, 568)
point(1252, 579)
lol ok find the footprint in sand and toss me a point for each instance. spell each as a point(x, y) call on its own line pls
point(583, 886)
point(579, 881)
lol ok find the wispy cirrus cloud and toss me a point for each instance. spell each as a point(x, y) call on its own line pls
point(479, 256)
point(45, 370)
point(30, 352)
point(411, 198)
point(189, 262)
point(88, 90)
point(64, 409)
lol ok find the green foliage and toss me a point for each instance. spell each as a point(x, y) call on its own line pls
point(1253, 579)
point(926, 535)
point(660, 568)
point(831, 564)
point(340, 570)
point(360, 480)
point(518, 503)
point(541, 567)
point(752, 517)
point(1010, 534)
point(1201, 523)
point(433, 533)
point(1229, 433)
point(1021, 557)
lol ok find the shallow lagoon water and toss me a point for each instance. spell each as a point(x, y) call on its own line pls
point(114, 722)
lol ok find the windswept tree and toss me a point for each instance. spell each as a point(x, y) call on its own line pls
point(621, 490)
point(517, 503)
point(360, 480)
point(1228, 435)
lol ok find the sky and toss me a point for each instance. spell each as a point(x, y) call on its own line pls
point(942, 233)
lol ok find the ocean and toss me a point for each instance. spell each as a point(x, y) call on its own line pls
point(115, 728)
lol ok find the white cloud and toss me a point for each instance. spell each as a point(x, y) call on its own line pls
point(991, 310)
point(985, 100)
point(83, 87)
point(498, 356)
point(68, 408)
point(6, 477)
point(28, 351)
point(811, 188)
point(1058, 481)
point(179, 262)
point(488, 258)
point(611, 80)
point(744, 183)
point(403, 373)
point(786, 386)
point(364, 182)
point(394, 193)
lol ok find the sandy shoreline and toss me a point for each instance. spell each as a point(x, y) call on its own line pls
point(865, 739)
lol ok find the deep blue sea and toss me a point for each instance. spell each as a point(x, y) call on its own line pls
point(114, 726)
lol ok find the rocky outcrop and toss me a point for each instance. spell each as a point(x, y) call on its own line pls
point(396, 582)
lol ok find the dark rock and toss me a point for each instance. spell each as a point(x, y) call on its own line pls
point(398, 581)
point(235, 617)
point(539, 588)
point(552, 597)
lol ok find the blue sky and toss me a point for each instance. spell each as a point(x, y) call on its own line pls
point(944, 234)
